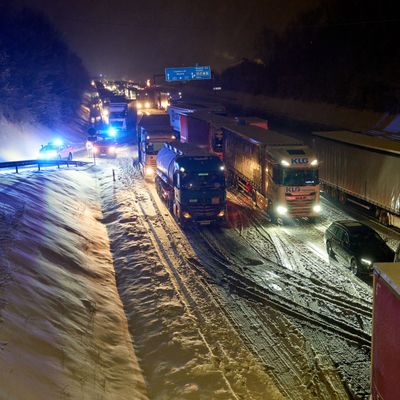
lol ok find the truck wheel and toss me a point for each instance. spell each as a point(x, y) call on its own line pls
point(329, 249)
point(271, 214)
point(383, 217)
point(354, 267)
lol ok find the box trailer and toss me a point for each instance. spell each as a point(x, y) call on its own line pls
point(204, 129)
point(385, 368)
point(361, 169)
point(279, 172)
point(178, 108)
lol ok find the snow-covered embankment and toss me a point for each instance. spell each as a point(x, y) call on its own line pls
point(63, 332)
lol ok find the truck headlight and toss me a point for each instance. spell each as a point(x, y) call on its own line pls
point(186, 215)
point(366, 261)
point(221, 213)
point(281, 210)
point(317, 208)
point(149, 171)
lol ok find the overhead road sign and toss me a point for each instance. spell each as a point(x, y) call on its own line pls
point(187, 73)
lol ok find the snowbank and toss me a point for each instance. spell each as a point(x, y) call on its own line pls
point(63, 331)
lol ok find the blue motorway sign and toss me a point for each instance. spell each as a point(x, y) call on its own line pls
point(187, 73)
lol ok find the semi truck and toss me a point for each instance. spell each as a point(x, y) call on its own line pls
point(204, 129)
point(279, 173)
point(117, 114)
point(191, 181)
point(361, 169)
point(153, 132)
point(385, 383)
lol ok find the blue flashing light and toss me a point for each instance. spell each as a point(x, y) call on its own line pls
point(112, 132)
point(57, 142)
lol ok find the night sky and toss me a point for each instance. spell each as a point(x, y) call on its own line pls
point(135, 39)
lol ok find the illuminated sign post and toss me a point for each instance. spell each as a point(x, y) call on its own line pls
point(187, 73)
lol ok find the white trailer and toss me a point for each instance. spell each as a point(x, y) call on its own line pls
point(361, 169)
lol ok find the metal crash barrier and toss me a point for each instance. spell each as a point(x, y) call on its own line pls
point(41, 163)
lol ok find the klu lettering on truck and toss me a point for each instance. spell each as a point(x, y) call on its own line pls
point(292, 189)
point(299, 160)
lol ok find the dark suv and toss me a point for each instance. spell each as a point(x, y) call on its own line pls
point(357, 246)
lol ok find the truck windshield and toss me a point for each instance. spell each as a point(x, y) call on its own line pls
point(154, 148)
point(299, 177)
point(202, 180)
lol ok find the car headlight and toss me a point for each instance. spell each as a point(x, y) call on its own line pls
point(50, 154)
point(111, 149)
point(317, 208)
point(149, 171)
point(186, 215)
point(281, 210)
point(366, 261)
point(221, 213)
point(95, 149)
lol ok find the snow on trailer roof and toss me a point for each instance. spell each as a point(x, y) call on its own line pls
point(209, 116)
point(158, 128)
point(187, 149)
point(262, 136)
point(359, 139)
point(154, 120)
point(193, 106)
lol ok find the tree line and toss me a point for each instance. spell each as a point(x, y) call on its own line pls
point(41, 79)
point(342, 51)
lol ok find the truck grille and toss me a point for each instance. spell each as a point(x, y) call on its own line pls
point(203, 210)
point(300, 207)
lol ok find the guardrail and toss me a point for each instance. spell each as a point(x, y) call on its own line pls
point(41, 163)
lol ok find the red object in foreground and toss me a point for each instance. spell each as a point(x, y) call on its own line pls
point(385, 374)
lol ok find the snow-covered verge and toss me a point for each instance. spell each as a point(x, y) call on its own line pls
point(63, 331)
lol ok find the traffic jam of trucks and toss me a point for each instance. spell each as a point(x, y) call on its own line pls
point(193, 153)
